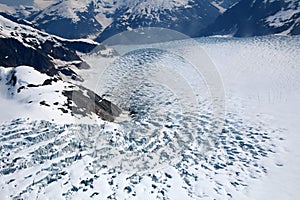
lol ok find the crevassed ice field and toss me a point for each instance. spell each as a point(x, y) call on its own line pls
point(254, 156)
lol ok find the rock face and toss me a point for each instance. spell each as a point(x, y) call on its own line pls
point(86, 104)
point(259, 17)
point(14, 53)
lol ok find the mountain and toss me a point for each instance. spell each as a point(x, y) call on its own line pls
point(66, 18)
point(69, 19)
point(102, 18)
point(37, 72)
point(187, 17)
point(258, 17)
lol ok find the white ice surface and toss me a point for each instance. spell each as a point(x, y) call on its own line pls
point(261, 81)
point(261, 77)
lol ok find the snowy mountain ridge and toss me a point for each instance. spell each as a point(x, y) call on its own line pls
point(289, 14)
point(89, 18)
point(259, 17)
point(14, 30)
point(100, 19)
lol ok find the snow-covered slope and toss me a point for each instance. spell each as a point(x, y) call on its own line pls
point(27, 93)
point(260, 17)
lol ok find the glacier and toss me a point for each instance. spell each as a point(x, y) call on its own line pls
point(254, 156)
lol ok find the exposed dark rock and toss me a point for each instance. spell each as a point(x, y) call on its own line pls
point(15, 19)
point(32, 85)
point(296, 29)
point(59, 52)
point(63, 110)
point(94, 194)
point(12, 80)
point(13, 53)
point(82, 65)
point(80, 46)
point(85, 102)
point(49, 81)
point(67, 71)
point(20, 88)
point(43, 103)
point(168, 175)
point(41, 51)
point(128, 189)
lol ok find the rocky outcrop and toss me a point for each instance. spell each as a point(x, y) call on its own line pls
point(84, 102)
point(14, 53)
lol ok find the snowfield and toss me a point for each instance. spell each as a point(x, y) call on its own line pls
point(20, 101)
point(155, 149)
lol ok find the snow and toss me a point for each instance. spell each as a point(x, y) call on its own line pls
point(263, 75)
point(26, 103)
point(261, 81)
point(285, 16)
point(42, 4)
point(70, 8)
point(260, 77)
point(218, 6)
point(103, 20)
point(29, 75)
point(6, 8)
point(148, 6)
point(281, 17)
point(66, 9)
